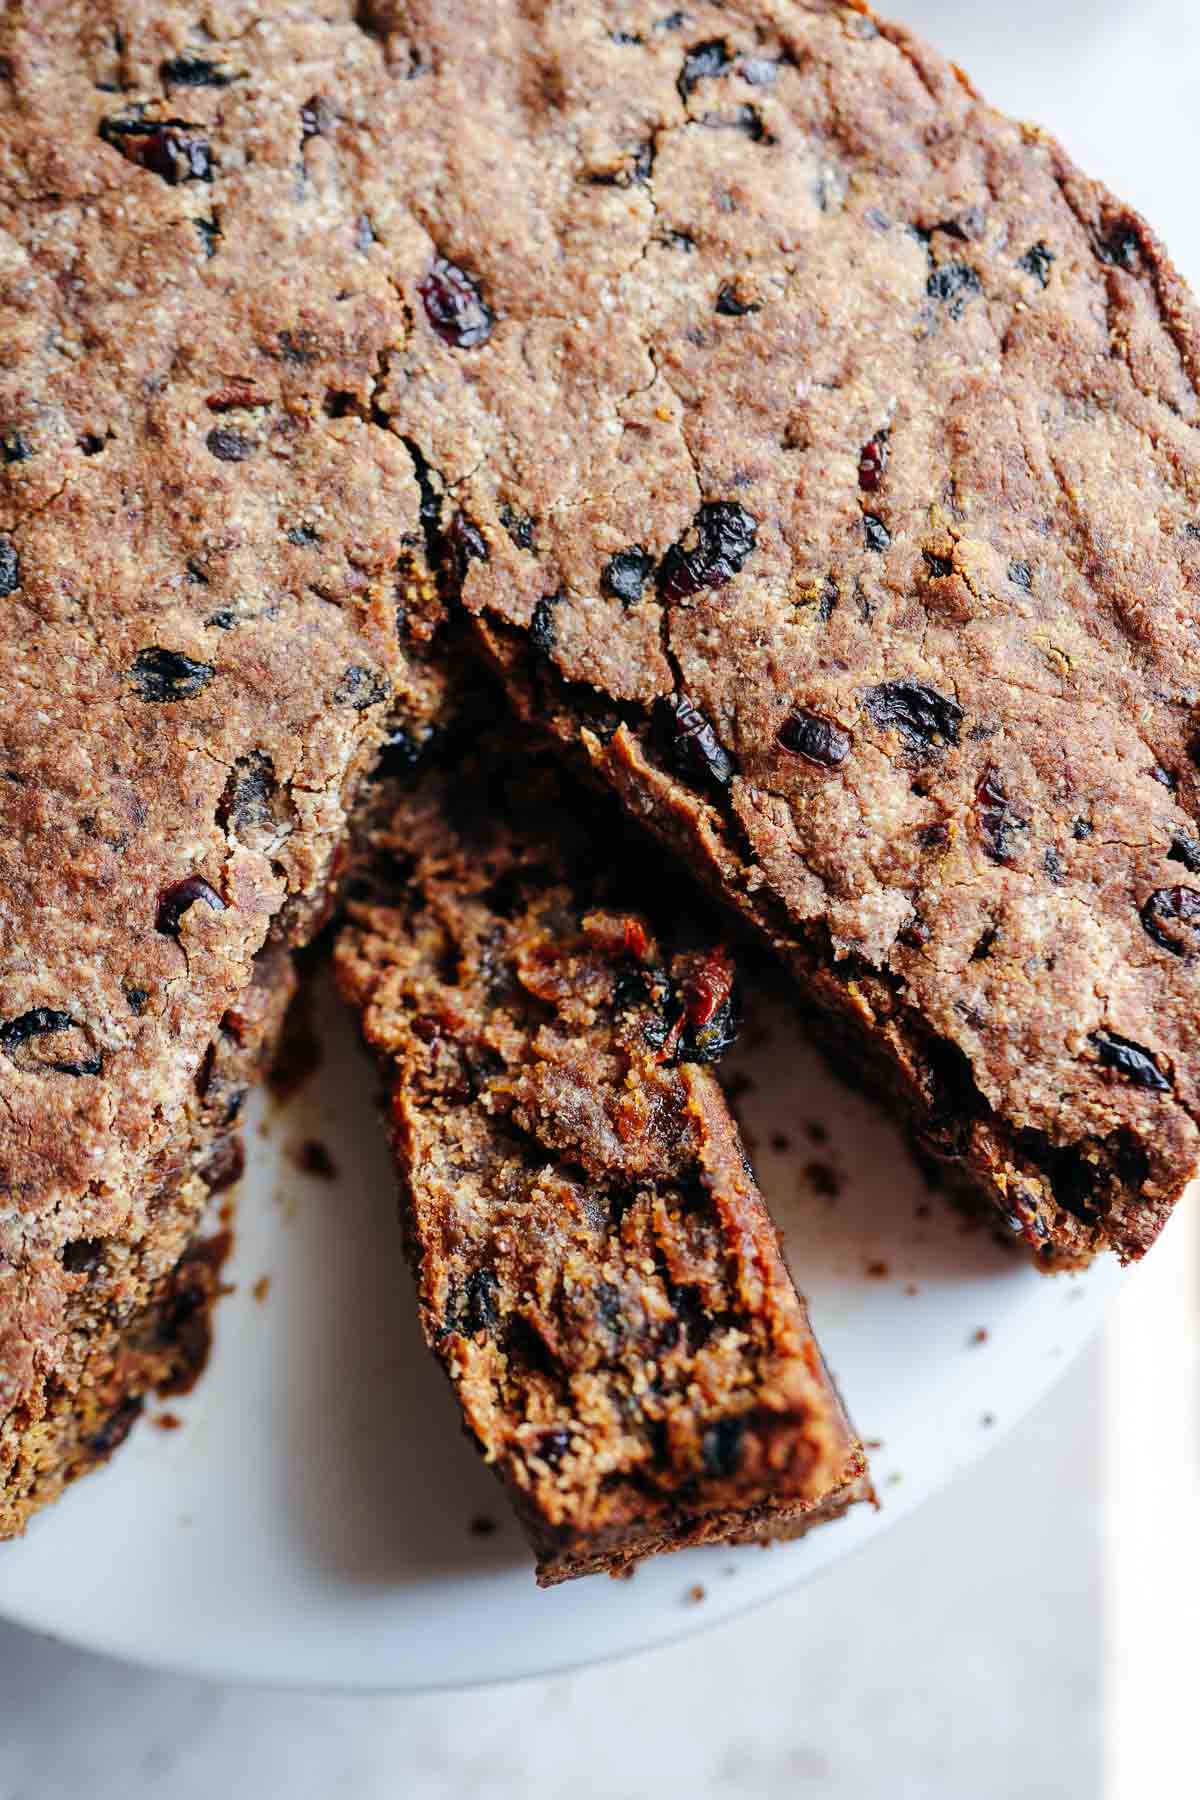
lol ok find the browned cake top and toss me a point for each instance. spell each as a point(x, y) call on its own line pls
point(595, 1266)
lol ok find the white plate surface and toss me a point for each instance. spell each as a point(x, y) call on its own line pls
point(310, 1521)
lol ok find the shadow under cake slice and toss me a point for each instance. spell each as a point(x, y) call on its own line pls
point(596, 1269)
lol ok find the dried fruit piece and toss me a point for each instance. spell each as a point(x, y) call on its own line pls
point(872, 461)
point(228, 445)
point(1136, 1064)
point(192, 71)
point(626, 574)
point(454, 306)
point(1185, 850)
point(721, 540)
point(878, 536)
point(1036, 262)
point(361, 687)
point(174, 149)
point(175, 900)
point(520, 528)
point(1171, 916)
point(703, 62)
point(695, 748)
point(709, 1006)
point(919, 713)
point(1021, 575)
point(998, 824)
point(162, 676)
point(732, 303)
point(10, 567)
point(817, 739)
point(541, 624)
point(47, 1021)
point(953, 284)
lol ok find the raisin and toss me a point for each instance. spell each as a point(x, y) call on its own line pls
point(520, 528)
point(136, 999)
point(14, 448)
point(302, 535)
point(91, 445)
point(695, 748)
point(175, 900)
point(552, 1446)
point(935, 836)
point(701, 63)
point(10, 567)
point(1185, 850)
point(953, 284)
point(541, 624)
point(998, 824)
point(920, 714)
point(1081, 830)
point(1021, 575)
point(210, 234)
point(876, 533)
point(817, 739)
point(872, 461)
point(721, 1447)
point(361, 687)
point(475, 1305)
point(725, 535)
point(39, 1021)
point(1171, 916)
point(162, 676)
point(1036, 262)
point(228, 445)
point(731, 306)
point(454, 306)
point(938, 566)
point(171, 148)
point(246, 801)
point(466, 543)
point(116, 1427)
point(1129, 1059)
point(192, 71)
point(626, 574)
point(1052, 862)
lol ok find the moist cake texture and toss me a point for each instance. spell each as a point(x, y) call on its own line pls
point(595, 1267)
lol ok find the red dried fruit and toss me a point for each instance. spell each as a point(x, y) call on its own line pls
point(919, 713)
point(695, 747)
point(872, 461)
point(706, 984)
point(724, 535)
point(455, 307)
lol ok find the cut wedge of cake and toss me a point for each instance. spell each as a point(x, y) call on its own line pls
point(595, 1267)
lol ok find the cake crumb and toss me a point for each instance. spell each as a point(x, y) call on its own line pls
point(823, 1179)
point(260, 1288)
point(696, 1593)
point(168, 1421)
point(910, 1288)
point(979, 1335)
point(878, 1271)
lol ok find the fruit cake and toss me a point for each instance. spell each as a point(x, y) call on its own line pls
point(825, 473)
point(596, 1270)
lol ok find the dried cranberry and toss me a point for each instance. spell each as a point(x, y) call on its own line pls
point(998, 824)
point(454, 306)
point(730, 304)
point(1021, 575)
point(192, 71)
point(817, 739)
point(171, 148)
point(721, 1447)
point(701, 63)
point(626, 574)
point(228, 445)
point(696, 749)
point(1131, 1060)
point(872, 461)
point(361, 687)
point(10, 567)
point(1171, 916)
point(710, 1007)
point(162, 676)
point(953, 284)
point(920, 714)
point(1036, 262)
point(174, 901)
point(876, 533)
point(14, 448)
point(724, 536)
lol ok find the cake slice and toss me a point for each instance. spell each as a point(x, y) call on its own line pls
point(595, 1267)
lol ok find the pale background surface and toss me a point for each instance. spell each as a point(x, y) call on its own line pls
point(973, 1654)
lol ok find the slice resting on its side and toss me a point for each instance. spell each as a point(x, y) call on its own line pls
point(596, 1268)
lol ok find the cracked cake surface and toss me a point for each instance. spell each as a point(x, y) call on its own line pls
point(595, 1267)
